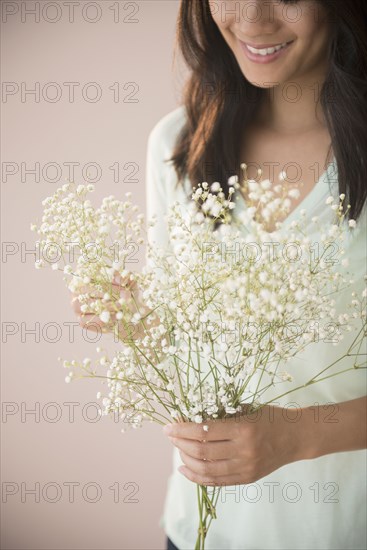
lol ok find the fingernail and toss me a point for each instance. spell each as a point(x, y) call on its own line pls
point(167, 429)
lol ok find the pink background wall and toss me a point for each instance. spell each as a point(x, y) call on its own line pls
point(49, 451)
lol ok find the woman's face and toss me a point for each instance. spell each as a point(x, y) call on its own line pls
point(302, 25)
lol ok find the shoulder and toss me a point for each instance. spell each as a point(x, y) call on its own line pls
point(161, 177)
point(162, 136)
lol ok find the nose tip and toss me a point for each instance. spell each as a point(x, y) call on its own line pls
point(251, 15)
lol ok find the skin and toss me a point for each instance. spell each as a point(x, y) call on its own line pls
point(306, 23)
point(125, 290)
point(235, 450)
point(119, 288)
point(283, 131)
point(238, 450)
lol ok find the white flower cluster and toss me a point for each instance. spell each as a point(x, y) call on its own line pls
point(225, 305)
point(91, 246)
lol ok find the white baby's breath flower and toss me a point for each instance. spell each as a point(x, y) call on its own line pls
point(294, 193)
point(253, 185)
point(266, 184)
point(199, 217)
point(215, 187)
point(286, 203)
point(215, 210)
point(105, 316)
point(180, 358)
point(104, 229)
point(352, 223)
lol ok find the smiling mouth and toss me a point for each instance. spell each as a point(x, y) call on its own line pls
point(264, 53)
point(264, 49)
point(267, 50)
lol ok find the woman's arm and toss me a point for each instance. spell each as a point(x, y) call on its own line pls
point(335, 428)
point(244, 449)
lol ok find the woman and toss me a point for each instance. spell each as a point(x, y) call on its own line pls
point(289, 482)
point(280, 86)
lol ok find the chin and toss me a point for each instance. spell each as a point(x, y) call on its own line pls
point(259, 84)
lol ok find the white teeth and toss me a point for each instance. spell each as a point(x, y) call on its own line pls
point(266, 51)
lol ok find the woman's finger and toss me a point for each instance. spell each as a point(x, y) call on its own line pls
point(209, 450)
point(211, 430)
point(208, 480)
point(209, 468)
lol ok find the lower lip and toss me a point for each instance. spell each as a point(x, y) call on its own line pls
point(257, 58)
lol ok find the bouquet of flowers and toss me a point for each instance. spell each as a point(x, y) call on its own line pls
point(210, 322)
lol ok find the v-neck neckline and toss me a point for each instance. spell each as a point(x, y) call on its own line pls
point(304, 202)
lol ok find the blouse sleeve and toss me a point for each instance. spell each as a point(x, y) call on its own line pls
point(156, 187)
point(160, 177)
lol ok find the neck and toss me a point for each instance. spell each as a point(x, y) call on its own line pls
point(293, 107)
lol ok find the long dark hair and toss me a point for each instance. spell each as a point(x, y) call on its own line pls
point(217, 96)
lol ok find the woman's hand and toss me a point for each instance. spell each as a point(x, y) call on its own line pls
point(238, 450)
point(244, 449)
point(121, 289)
